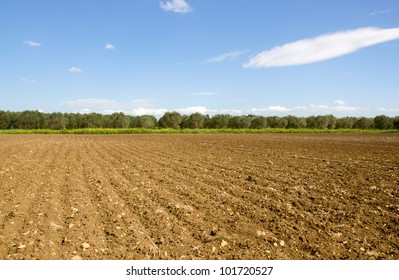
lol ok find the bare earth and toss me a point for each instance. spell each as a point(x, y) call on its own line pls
point(264, 196)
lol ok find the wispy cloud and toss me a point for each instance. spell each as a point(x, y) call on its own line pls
point(28, 81)
point(74, 69)
point(340, 102)
point(89, 102)
point(204, 93)
point(379, 12)
point(225, 56)
point(109, 46)
point(388, 110)
point(177, 6)
point(322, 48)
point(32, 43)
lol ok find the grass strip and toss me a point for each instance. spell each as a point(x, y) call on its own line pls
point(189, 131)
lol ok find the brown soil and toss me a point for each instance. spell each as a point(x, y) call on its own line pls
point(267, 196)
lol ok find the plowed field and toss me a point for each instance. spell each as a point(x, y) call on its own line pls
point(297, 196)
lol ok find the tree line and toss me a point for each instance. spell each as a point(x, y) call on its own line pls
point(57, 121)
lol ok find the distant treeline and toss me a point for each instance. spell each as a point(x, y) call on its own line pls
point(57, 121)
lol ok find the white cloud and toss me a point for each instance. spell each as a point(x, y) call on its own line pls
point(225, 56)
point(322, 48)
point(312, 109)
point(32, 43)
point(390, 110)
point(109, 46)
point(177, 6)
point(270, 109)
point(74, 69)
point(204, 93)
point(379, 12)
point(277, 109)
point(108, 106)
point(149, 111)
point(318, 107)
point(340, 102)
point(191, 110)
point(344, 109)
point(85, 111)
point(28, 81)
point(146, 107)
point(108, 111)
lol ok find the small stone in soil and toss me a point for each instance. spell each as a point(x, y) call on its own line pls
point(85, 246)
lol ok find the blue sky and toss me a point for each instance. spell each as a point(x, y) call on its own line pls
point(212, 56)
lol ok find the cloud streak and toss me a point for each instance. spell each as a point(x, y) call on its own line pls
point(225, 56)
point(204, 93)
point(322, 48)
point(32, 43)
point(374, 13)
point(28, 81)
point(92, 102)
point(177, 6)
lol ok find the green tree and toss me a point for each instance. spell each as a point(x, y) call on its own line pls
point(311, 122)
point(30, 120)
point(383, 122)
point(332, 121)
point(346, 122)
point(259, 122)
point(196, 121)
point(363, 123)
point(322, 122)
point(292, 121)
point(239, 122)
point(170, 120)
point(185, 121)
point(55, 121)
point(218, 121)
point(119, 120)
point(147, 121)
point(276, 122)
point(5, 120)
point(395, 123)
point(92, 120)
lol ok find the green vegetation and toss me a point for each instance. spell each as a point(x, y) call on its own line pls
point(173, 122)
point(187, 131)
